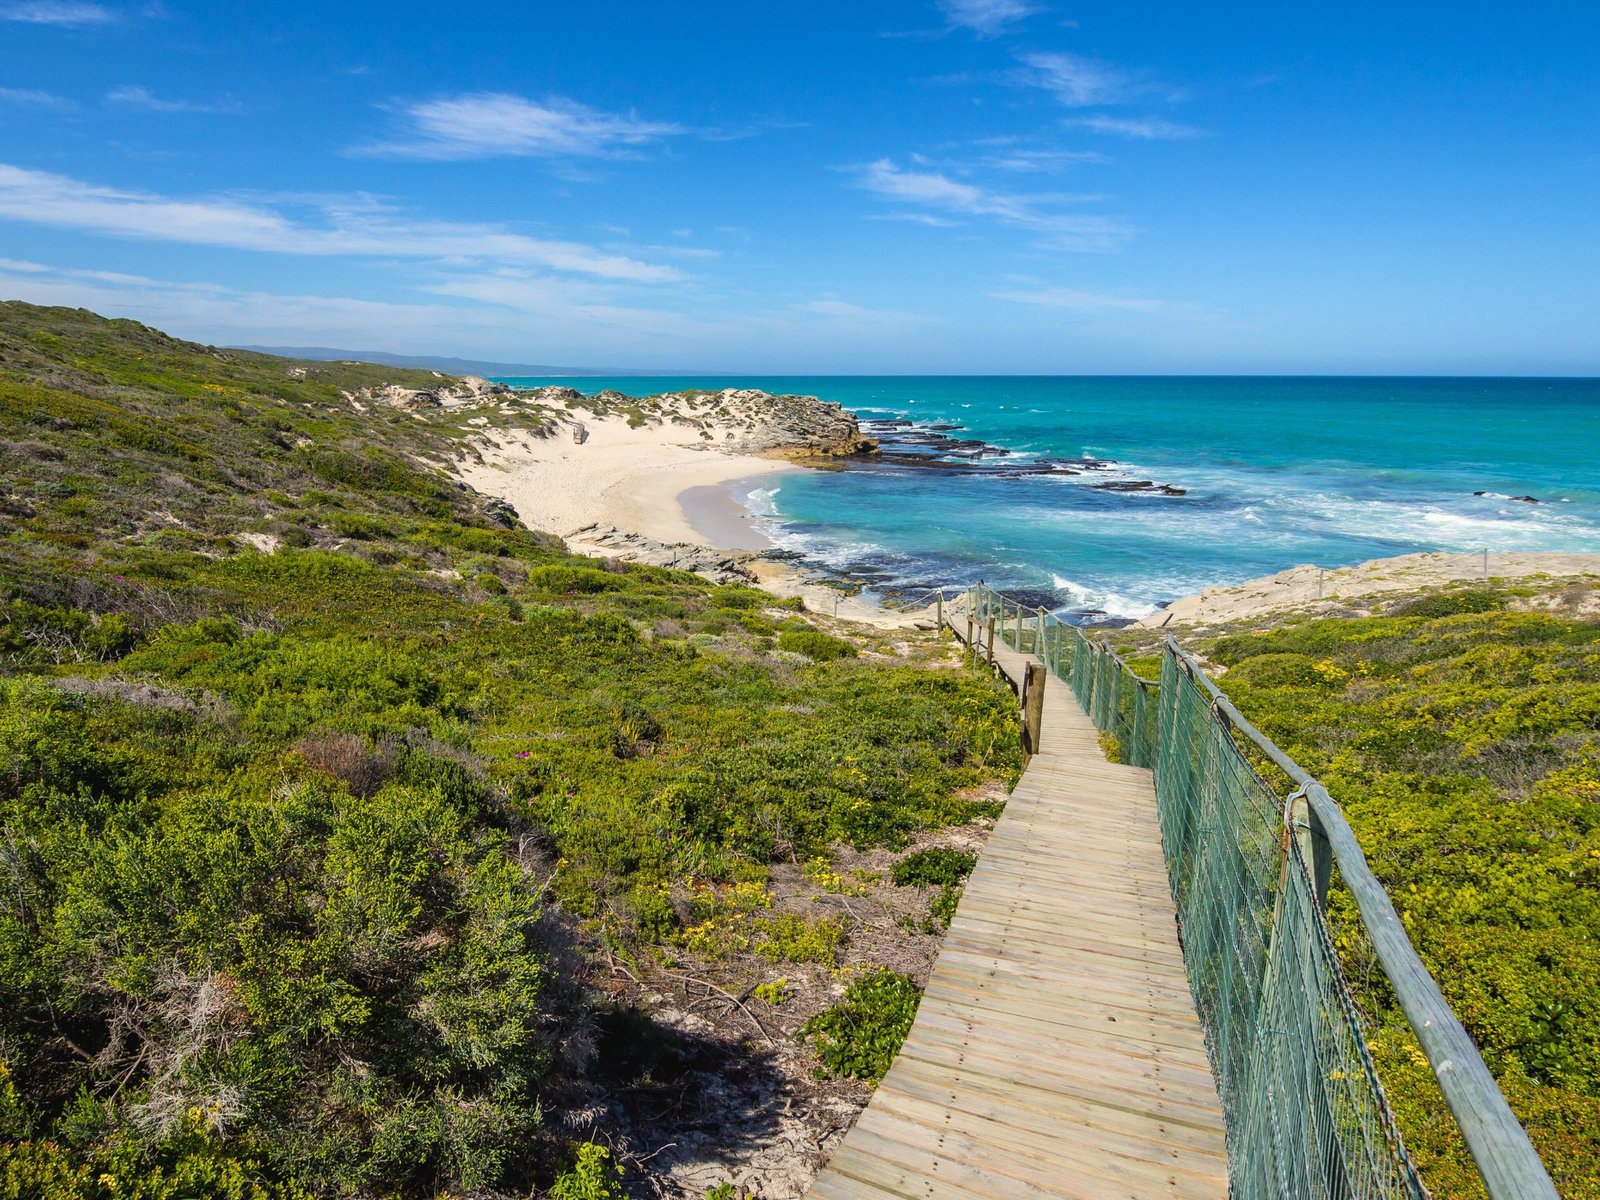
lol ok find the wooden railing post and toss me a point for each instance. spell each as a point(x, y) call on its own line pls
point(989, 643)
point(970, 653)
point(1032, 708)
point(938, 612)
point(1314, 848)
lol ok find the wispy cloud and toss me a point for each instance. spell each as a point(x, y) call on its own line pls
point(1149, 129)
point(355, 227)
point(1074, 80)
point(499, 125)
point(57, 12)
point(843, 310)
point(986, 18)
point(932, 190)
point(1036, 161)
point(142, 99)
point(1081, 301)
point(916, 218)
point(32, 98)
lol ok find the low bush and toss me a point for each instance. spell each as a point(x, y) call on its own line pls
point(816, 645)
point(581, 581)
point(860, 1035)
point(936, 866)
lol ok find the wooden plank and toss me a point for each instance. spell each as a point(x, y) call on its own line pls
point(991, 1067)
point(1085, 1142)
point(1056, 1053)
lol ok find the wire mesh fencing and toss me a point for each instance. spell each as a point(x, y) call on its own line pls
point(1305, 1112)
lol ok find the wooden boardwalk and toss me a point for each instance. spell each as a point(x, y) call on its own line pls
point(1056, 1052)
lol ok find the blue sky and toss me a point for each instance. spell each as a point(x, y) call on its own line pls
point(927, 186)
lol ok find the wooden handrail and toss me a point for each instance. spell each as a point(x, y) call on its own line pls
point(1510, 1166)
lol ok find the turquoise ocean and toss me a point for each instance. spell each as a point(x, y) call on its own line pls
point(1274, 472)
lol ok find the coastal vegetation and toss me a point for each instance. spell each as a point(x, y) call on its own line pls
point(339, 809)
point(1460, 731)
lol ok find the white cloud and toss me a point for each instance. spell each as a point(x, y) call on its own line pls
point(1081, 301)
point(1150, 129)
point(33, 98)
point(356, 227)
point(933, 190)
point(143, 100)
point(57, 12)
point(505, 317)
point(1040, 162)
point(1074, 80)
point(497, 124)
point(986, 17)
point(916, 218)
point(856, 314)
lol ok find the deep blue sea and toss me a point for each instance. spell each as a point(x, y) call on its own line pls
point(1275, 472)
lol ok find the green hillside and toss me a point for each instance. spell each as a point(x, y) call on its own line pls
point(310, 856)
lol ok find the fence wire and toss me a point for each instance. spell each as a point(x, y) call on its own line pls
point(1305, 1113)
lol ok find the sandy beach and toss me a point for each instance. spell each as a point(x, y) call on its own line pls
point(659, 479)
point(634, 478)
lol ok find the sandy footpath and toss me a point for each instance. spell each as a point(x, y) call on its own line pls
point(1336, 590)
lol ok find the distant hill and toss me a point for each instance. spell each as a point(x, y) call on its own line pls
point(450, 366)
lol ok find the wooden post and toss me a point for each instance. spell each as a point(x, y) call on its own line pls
point(1039, 646)
point(989, 646)
point(1032, 708)
point(1313, 839)
point(938, 612)
point(969, 652)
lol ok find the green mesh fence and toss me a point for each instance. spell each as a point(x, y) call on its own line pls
point(1305, 1112)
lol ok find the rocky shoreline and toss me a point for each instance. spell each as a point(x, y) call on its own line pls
point(719, 566)
point(908, 445)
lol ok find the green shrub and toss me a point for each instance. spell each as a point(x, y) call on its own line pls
point(816, 645)
point(861, 1034)
point(1453, 603)
point(594, 1176)
point(583, 581)
point(935, 866)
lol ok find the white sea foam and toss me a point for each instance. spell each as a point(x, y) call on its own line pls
point(1110, 602)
